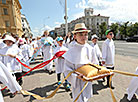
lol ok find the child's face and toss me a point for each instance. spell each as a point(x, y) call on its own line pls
point(110, 35)
point(94, 40)
point(8, 42)
point(60, 43)
point(81, 37)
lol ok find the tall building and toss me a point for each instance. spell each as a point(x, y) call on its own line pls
point(91, 21)
point(10, 17)
point(25, 26)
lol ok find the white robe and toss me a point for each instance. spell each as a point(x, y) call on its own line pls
point(11, 63)
point(59, 63)
point(26, 54)
point(133, 87)
point(7, 79)
point(71, 44)
point(108, 52)
point(48, 51)
point(75, 57)
point(97, 50)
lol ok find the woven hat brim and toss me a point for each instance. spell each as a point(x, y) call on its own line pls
point(81, 31)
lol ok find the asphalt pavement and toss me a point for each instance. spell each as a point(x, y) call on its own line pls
point(41, 83)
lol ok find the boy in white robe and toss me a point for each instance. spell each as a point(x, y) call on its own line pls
point(59, 63)
point(78, 55)
point(133, 87)
point(47, 43)
point(108, 53)
point(7, 79)
point(25, 48)
point(94, 44)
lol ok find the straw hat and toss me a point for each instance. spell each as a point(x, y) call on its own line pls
point(80, 27)
point(8, 37)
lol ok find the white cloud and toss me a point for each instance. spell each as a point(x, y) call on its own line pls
point(57, 24)
point(78, 15)
point(82, 4)
point(37, 31)
point(117, 10)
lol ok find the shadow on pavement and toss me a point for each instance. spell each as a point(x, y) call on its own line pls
point(124, 99)
point(97, 87)
point(42, 91)
point(35, 62)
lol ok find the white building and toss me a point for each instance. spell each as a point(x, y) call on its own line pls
point(25, 26)
point(91, 21)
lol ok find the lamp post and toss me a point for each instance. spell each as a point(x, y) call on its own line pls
point(66, 17)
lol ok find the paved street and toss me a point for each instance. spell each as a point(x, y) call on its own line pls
point(125, 48)
point(41, 83)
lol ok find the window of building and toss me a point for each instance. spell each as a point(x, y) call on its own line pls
point(22, 20)
point(7, 23)
point(101, 19)
point(97, 19)
point(23, 29)
point(5, 11)
point(4, 1)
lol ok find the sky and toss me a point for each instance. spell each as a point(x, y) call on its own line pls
point(48, 14)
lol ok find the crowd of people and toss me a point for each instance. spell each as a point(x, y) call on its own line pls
point(78, 53)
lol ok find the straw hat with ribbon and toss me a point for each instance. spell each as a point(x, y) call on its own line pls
point(80, 27)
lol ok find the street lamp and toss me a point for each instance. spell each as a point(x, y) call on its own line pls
point(66, 17)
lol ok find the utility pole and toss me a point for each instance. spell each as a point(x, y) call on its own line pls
point(66, 17)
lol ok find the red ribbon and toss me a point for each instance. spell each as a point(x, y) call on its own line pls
point(41, 65)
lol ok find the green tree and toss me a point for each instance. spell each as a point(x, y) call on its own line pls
point(132, 29)
point(103, 28)
point(114, 27)
point(123, 29)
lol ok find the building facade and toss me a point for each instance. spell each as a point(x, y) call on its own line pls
point(25, 26)
point(10, 17)
point(91, 21)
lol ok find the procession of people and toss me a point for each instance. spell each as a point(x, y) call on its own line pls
point(78, 53)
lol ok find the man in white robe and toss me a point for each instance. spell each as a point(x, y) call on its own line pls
point(78, 55)
point(133, 87)
point(7, 79)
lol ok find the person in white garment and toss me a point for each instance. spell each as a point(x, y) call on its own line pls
point(78, 55)
point(39, 45)
point(59, 63)
point(94, 44)
point(11, 52)
point(47, 43)
point(7, 79)
point(108, 53)
point(133, 87)
point(25, 48)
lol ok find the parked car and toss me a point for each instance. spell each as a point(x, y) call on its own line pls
point(132, 39)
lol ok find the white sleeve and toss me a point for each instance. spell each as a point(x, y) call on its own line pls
point(94, 58)
point(99, 52)
point(7, 79)
point(104, 51)
point(68, 68)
